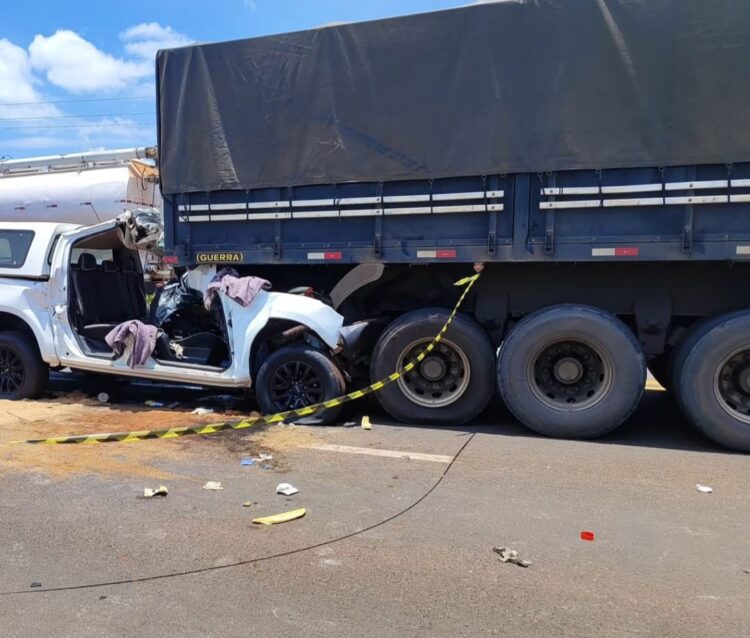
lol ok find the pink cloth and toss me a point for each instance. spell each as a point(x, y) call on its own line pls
point(143, 336)
point(240, 289)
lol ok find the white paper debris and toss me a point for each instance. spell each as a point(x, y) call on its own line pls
point(203, 411)
point(159, 491)
point(287, 489)
point(213, 485)
point(508, 555)
point(703, 489)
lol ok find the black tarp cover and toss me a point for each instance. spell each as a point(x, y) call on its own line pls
point(515, 86)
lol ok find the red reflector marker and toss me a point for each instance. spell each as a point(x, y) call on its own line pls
point(623, 251)
point(445, 253)
point(587, 536)
point(170, 259)
point(326, 256)
point(631, 251)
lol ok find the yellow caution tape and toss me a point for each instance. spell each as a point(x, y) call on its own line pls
point(170, 433)
point(281, 518)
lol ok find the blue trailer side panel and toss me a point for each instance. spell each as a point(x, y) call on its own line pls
point(674, 213)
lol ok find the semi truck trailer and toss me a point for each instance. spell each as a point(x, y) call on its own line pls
point(593, 158)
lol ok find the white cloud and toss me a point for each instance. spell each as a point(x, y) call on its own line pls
point(74, 64)
point(144, 40)
point(17, 84)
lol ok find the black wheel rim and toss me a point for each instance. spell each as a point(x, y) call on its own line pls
point(570, 374)
point(11, 372)
point(732, 385)
point(295, 385)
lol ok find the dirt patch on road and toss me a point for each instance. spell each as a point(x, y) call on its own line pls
point(76, 413)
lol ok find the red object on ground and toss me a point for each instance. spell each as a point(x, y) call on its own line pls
point(587, 536)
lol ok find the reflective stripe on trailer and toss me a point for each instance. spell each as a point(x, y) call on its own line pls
point(325, 256)
point(623, 251)
point(742, 250)
point(449, 253)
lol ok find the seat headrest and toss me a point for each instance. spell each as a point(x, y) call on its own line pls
point(87, 261)
point(109, 266)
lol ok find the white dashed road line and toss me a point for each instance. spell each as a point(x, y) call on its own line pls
point(396, 454)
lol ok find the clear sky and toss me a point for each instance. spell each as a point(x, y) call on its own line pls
point(77, 75)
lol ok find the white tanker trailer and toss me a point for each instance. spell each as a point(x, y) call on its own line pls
point(80, 188)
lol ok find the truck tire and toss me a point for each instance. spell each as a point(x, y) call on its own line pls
point(452, 385)
point(571, 371)
point(296, 376)
point(711, 375)
point(23, 374)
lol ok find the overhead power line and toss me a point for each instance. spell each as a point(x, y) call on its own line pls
point(38, 128)
point(78, 100)
point(66, 117)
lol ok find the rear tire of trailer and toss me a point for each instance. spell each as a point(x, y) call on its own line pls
point(571, 372)
point(452, 385)
point(23, 374)
point(711, 375)
point(296, 376)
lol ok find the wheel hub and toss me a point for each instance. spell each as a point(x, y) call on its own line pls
point(569, 374)
point(433, 368)
point(568, 370)
point(744, 380)
point(295, 385)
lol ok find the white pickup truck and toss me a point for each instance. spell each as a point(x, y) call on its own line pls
point(64, 287)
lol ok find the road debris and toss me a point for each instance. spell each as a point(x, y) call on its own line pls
point(703, 489)
point(103, 397)
point(247, 461)
point(213, 485)
point(287, 489)
point(159, 491)
point(508, 555)
point(284, 517)
point(248, 504)
point(203, 411)
point(36, 584)
point(366, 425)
point(265, 457)
point(587, 536)
point(154, 404)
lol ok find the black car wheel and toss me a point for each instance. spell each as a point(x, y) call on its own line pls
point(296, 376)
point(23, 374)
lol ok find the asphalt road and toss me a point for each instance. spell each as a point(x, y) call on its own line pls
point(666, 559)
